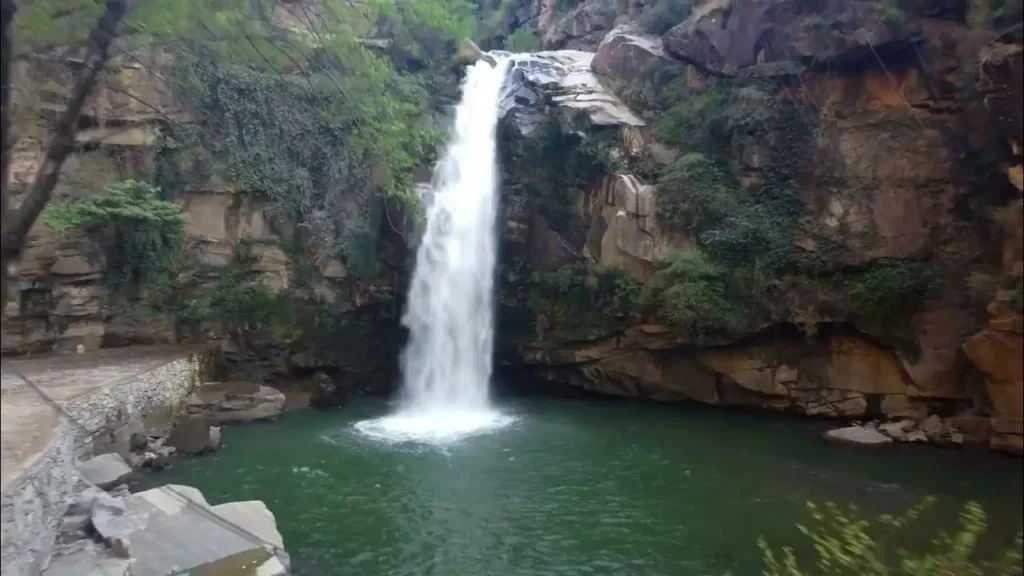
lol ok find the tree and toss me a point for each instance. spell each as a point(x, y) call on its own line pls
point(16, 222)
point(342, 50)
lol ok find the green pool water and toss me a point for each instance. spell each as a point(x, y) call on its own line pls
point(577, 487)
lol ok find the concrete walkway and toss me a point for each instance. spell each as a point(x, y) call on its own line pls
point(28, 422)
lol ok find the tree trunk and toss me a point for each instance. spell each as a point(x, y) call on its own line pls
point(17, 222)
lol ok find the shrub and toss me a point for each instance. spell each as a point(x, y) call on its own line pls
point(846, 544)
point(143, 230)
point(692, 293)
point(523, 40)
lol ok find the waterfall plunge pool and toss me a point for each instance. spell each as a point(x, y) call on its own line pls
point(577, 487)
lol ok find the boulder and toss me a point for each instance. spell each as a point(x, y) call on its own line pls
point(105, 470)
point(768, 37)
point(88, 560)
point(191, 435)
point(327, 393)
point(562, 79)
point(173, 530)
point(235, 402)
point(629, 60)
point(896, 430)
point(858, 435)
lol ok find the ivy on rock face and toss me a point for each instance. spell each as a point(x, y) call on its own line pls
point(143, 230)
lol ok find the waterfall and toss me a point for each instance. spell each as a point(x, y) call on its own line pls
point(446, 367)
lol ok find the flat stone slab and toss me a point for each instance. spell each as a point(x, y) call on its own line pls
point(171, 530)
point(105, 470)
point(28, 422)
point(857, 435)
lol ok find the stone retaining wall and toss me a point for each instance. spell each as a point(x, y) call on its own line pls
point(32, 506)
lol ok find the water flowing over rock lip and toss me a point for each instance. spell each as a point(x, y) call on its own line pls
point(435, 426)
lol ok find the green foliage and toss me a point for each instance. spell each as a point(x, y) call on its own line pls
point(142, 230)
point(847, 544)
point(582, 302)
point(693, 294)
point(549, 169)
point(884, 296)
point(891, 287)
point(523, 40)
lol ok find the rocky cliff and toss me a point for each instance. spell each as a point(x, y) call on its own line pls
point(771, 205)
point(812, 208)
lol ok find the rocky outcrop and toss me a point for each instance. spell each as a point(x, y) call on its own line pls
point(770, 38)
point(173, 529)
point(622, 229)
point(235, 402)
point(105, 470)
point(564, 81)
point(880, 178)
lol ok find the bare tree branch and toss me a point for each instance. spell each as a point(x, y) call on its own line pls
point(17, 222)
point(7, 11)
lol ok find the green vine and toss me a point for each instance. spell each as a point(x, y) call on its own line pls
point(142, 230)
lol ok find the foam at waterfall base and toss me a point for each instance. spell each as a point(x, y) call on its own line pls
point(434, 426)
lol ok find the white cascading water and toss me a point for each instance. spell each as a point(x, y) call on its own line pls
point(446, 367)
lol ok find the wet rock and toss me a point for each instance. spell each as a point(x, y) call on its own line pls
point(917, 436)
point(236, 402)
point(88, 560)
point(896, 430)
point(105, 470)
point(562, 79)
point(857, 435)
point(932, 426)
point(727, 37)
point(327, 393)
point(191, 435)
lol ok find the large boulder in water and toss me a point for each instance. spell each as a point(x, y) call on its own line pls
point(235, 402)
point(327, 393)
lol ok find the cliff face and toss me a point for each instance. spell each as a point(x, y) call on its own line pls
point(871, 146)
point(747, 204)
point(244, 259)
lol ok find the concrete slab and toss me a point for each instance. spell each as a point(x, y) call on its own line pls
point(28, 422)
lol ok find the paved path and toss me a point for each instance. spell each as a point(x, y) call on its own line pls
point(28, 422)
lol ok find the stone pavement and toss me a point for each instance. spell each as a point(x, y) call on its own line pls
point(28, 422)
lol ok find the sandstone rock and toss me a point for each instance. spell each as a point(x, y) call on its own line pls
point(623, 227)
point(105, 471)
point(896, 430)
point(235, 402)
point(582, 26)
point(181, 533)
point(932, 426)
point(632, 61)
point(917, 436)
point(975, 429)
point(727, 37)
point(755, 368)
point(469, 52)
point(191, 435)
point(857, 365)
point(84, 501)
point(327, 393)
point(90, 560)
point(561, 79)
point(857, 435)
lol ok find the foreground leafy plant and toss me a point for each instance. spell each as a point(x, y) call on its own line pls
point(847, 544)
